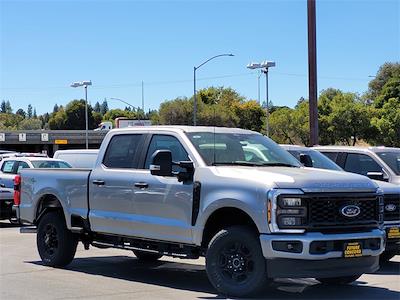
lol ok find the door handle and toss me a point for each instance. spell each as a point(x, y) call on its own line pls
point(142, 185)
point(98, 182)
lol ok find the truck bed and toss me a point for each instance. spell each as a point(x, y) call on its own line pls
point(71, 185)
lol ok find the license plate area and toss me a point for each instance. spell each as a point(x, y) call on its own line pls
point(393, 232)
point(352, 249)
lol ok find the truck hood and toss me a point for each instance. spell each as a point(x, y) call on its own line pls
point(307, 179)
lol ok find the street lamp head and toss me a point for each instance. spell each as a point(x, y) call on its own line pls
point(75, 84)
point(253, 66)
point(86, 82)
point(268, 64)
point(230, 54)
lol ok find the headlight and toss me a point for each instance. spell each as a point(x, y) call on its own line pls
point(289, 201)
point(291, 212)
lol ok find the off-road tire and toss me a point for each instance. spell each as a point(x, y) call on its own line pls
point(55, 243)
point(235, 263)
point(386, 256)
point(339, 280)
point(147, 256)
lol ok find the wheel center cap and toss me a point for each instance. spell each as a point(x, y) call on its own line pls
point(236, 262)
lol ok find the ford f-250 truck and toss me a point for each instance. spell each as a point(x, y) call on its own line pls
point(231, 195)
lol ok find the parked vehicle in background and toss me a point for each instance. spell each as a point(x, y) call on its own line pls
point(106, 125)
point(123, 122)
point(380, 163)
point(391, 195)
point(254, 215)
point(6, 153)
point(10, 167)
point(78, 158)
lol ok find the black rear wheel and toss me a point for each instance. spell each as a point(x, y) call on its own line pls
point(234, 262)
point(55, 243)
point(339, 280)
point(147, 256)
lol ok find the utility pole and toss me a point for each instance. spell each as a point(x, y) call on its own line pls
point(142, 96)
point(312, 72)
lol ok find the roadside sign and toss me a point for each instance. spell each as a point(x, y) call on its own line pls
point(45, 137)
point(22, 137)
point(2, 137)
point(61, 142)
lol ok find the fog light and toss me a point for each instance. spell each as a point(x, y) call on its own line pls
point(288, 246)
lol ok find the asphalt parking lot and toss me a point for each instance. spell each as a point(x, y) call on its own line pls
point(117, 274)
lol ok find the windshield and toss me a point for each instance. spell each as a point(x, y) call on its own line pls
point(50, 164)
point(392, 159)
point(240, 149)
point(318, 159)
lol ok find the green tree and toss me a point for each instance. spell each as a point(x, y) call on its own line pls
point(280, 126)
point(388, 124)
point(30, 124)
point(97, 107)
point(58, 120)
point(55, 108)
point(251, 115)
point(29, 111)
point(385, 73)
point(112, 114)
point(75, 115)
point(34, 114)
point(3, 107)
point(104, 107)
point(21, 113)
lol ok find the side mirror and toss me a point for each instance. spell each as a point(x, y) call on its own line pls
point(161, 164)
point(306, 160)
point(377, 176)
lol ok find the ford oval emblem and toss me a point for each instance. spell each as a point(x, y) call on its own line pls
point(390, 207)
point(350, 211)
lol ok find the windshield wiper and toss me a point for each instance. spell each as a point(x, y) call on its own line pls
point(253, 164)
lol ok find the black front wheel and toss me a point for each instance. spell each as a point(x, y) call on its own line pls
point(55, 243)
point(235, 264)
point(339, 280)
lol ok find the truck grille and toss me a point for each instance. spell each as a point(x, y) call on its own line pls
point(392, 201)
point(325, 211)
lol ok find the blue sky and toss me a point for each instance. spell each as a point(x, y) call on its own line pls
point(46, 45)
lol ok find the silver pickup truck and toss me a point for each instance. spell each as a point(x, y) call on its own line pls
point(231, 195)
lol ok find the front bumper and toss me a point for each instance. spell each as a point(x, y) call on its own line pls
point(305, 263)
point(392, 242)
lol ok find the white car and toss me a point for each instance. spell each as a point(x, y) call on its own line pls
point(10, 167)
point(82, 158)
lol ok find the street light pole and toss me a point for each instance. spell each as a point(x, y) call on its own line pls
point(86, 119)
point(264, 66)
point(266, 96)
point(194, 85)
point(85, 84)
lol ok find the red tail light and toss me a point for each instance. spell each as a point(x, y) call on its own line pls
point(17, 190)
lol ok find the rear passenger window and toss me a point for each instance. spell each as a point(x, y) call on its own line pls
point(122, 151)
point(361, 164)
point(8, 167)
point(331, 155)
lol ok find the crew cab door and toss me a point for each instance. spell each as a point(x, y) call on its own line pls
point(164, 205)
point(111, 186)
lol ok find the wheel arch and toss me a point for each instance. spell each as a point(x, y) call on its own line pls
point(225, 217)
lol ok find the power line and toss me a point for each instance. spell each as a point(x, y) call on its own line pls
point(154, 83)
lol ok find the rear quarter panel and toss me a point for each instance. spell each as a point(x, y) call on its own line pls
point(69, 186)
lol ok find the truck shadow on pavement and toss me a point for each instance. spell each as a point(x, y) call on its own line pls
point(192, 277)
